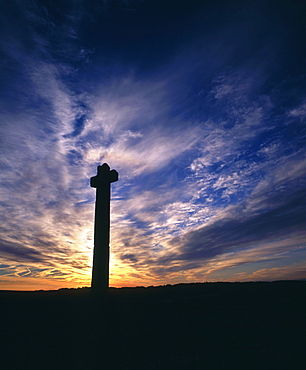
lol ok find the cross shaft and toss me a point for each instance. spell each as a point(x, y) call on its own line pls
point(100, 268)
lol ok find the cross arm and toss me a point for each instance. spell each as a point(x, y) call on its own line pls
point(104, 176)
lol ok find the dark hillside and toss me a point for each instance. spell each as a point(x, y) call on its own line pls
point(188, 326)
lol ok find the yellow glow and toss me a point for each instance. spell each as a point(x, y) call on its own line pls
point(28, 283)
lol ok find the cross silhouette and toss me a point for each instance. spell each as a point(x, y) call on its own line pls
point(104, 177)
point(100, 268)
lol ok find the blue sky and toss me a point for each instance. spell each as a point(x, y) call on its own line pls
point(199, 105)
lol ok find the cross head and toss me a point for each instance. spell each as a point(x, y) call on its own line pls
point(104, 176)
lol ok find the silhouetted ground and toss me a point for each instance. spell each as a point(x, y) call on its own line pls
point(194, 326)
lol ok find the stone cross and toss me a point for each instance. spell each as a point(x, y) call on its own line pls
point(100, 268)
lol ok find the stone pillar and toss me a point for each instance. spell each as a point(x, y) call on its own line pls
point(100, 268)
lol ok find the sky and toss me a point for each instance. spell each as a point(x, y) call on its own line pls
point(199, 105)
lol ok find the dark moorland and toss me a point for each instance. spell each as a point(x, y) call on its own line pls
point(186, 326)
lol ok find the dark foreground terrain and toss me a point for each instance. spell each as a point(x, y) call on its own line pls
point(197, 326)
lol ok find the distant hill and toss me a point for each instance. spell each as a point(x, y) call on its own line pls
point(186, 326)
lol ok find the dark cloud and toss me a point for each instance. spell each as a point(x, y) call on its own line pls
point(130, 257)
point(244, 229)
point(14, 251)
